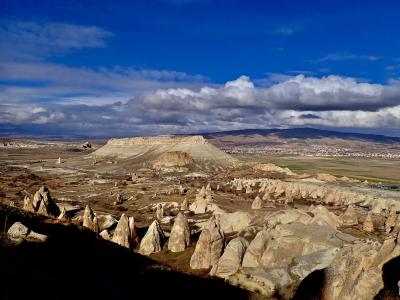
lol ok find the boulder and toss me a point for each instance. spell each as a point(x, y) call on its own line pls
point(179, 238)
point(105, 235)
point(153, 239)
point(231, 259)
point(234, 222)
point(257, 203)
point(185, 205)
point(19, 232)
point(209, 247)
point(349, 218)
point(368, 224)
point(122, 232)
point(63, 215)
point(255, 250)
point(88, 216)
point(106, 222)
point(28, 204)
point(159, 212)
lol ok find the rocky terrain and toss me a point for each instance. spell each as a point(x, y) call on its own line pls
point(168, 210)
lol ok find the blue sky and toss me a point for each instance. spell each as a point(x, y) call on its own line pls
point(175, 66)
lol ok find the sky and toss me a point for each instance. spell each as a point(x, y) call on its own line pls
point(122, 68)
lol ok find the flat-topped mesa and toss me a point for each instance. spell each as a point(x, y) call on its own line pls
point(166, 151)
point(158, 140)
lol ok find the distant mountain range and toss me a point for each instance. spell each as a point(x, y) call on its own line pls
point(304, 133)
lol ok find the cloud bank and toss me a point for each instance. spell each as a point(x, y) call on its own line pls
point(331, 101)
point(36, 93)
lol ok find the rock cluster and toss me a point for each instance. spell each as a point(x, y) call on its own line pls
point(42, 203)
point(286, 192)
point(19, 232)
point(203, 202)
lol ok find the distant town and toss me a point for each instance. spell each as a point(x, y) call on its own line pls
point(311, 150)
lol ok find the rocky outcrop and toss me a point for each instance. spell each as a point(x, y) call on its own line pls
point(90, 220)
point(268, 167)
point(368, 224)
point(19, 232)
point(203, 202)
point(356, 271)
point(28, 204)
point(63, 215)
point(173, 159)
point(231, 260)
point(255, 250)
point(179, 238)
point(42, 203)
point(209, 247)
point(153, 240)
point(349, 218)
point(105, 235)
point(391, 221)
point(122, 233)
point(257, 203)
point(159, 212)
point(286, 192)
point(106, 222)
point(185, 205)
point(234, 222)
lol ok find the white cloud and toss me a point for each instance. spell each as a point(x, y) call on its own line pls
point(338, 56)
point(32, 41)
point(331, 101)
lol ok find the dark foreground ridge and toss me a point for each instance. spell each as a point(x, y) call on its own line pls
point(75, 264)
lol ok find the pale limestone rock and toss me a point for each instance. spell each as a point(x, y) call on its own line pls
point(349, 218)
point(63, 215)
point(249, 190)
point(122, 232)
point(95, 225)
point(257, 203)
point(106, 221)
point(234, 222)
point(179, 238)
point(153, 240)
point(58, 160)
point(134, 237)
point(44, 204)
point(88, 217)
point(37, 237)
point(159, 212)
point(231, 259)
point(18, 231)
point(356, 271)
point(105, 235)
point(391, 221)
point(28, 204)
point(368, 225)
point(255, 250)
point(323, 217)
point(185, 205)
point(209, 247)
